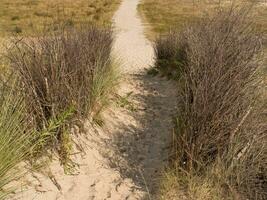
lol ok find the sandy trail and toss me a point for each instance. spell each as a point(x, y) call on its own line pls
point(143, 136)
point(122, 160)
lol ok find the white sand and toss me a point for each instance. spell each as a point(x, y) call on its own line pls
point(123, 160)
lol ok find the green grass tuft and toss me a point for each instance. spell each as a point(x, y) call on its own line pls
point(15, 137)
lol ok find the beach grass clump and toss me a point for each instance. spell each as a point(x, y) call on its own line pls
point(221, 125)
point(14, 136)
point(70, 69)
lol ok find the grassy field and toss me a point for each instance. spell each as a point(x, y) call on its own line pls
point(28, 16)
point(163, 15)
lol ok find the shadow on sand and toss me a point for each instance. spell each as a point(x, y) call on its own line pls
point(142, 142)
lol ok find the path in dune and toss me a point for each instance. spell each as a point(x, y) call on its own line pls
point(122, 160)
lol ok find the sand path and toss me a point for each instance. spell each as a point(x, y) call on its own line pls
point(143, 135)
point(123, 159)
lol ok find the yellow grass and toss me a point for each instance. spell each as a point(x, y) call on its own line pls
point(29, 16)
point(163, 15)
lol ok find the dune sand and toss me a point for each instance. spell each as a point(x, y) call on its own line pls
point(122, 160)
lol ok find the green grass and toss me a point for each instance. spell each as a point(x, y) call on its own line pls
point(30, 16)
point(14, 137)
point(125, 102)
point(105, 80)
point(18, 142)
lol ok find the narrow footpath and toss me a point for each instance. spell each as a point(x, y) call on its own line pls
point(145, 134)
point(122, 160)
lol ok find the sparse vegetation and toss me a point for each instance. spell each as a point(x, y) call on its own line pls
point(124, 102)
point(170, 55)
point(220, 139)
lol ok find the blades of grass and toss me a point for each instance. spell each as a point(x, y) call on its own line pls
point(14, 137)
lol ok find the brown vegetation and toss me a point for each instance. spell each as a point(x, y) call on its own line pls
point(221, 123)
point(61, 71)
point(53, 82)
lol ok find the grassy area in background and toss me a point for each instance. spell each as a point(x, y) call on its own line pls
point(30, 16)
point(163, 15)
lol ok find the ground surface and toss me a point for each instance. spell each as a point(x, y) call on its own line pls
point(27, 17)
point(123, 159)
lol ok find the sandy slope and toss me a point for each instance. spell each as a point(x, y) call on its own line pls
point(123, 159)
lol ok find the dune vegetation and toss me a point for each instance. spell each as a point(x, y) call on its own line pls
point(217, 57)
point(51, 80)
point(58, 85)
point(58, 73)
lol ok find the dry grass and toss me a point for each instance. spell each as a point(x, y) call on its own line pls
point(163, 15)
point(57, 80)
point(220, 146)
point(64, 74)
point(67, 70)
point(30, 16)
point(233, 169)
